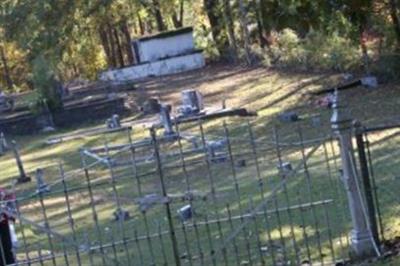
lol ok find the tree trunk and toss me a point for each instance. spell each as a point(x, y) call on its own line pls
point(113, 51)
point(395, 19)
point(141, 25)
point(230, 28)
point(364, 49)
point(148, 25)
point(105, 44)
point(128, 42)
point(214, 15)
point(120, 52)
point(265, 27)
point(175, 20)
point(157, 14)
point(181, 12)
point(260, 29)
point(245, 32)
point(178, 22)
point(7, 75)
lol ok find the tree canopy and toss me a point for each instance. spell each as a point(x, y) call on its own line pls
point(82, 37)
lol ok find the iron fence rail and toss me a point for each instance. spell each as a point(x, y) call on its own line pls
point(255, 202)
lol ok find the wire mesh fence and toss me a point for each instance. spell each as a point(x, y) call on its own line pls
point(231, 194)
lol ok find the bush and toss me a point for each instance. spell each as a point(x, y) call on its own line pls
point(288, 49)
point(38, 106)
point(387, 67)
point(331, 52)
point(46, 84)
point(315, 51)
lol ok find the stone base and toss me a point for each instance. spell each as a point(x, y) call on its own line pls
point(24, 179)
point(362, 246)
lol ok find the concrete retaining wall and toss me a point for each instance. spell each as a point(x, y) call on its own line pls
point(166, 66)
point(71, 116)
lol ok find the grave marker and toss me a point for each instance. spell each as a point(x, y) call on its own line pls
point(185, 213)
point(3, 144)
point(41, 185)
point(290, 116)
point(113, 122)
point(166, 119)
point(23, 178)
point(121, 215)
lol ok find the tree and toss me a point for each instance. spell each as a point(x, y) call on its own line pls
point(47, 84)
point(7, 76)
point(228, 17)
point(214, 14)
point(155, 9)
point(395, 19)
point(178, 21)
point(245, 32)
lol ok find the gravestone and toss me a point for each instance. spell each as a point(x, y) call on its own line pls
point(121, 215)
point(113, 122)
point(165, 118)
point(185, 213)
point(3, 144)
point(241, 163)
point(149, 201)
point(151, 106)
point(212, 150)
point(316, 121)
point(41, 185)
point(369, 81)
point(6, 103)
point(285, 168)
point(289, 116)
point(45, 120)
point(192, 102)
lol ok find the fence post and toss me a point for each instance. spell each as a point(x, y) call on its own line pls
point(362, 157)
point(165, 195)
point(23, 178)
point(361, 238)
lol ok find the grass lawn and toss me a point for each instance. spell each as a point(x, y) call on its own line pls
point(226, 190)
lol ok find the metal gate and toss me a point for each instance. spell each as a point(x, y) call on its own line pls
point(381, 165)
point(215, 195)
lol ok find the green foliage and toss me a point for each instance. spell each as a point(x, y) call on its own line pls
point(331, 52)
point(310, 34)
point(387, 67)
point(287, 50)
point(46, 84)
point(317, 51)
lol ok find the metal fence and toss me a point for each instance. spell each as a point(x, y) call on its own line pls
point(221, 195)
point(382, 161)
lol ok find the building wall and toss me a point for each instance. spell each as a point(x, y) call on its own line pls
point(160, 48)
point(158, 68)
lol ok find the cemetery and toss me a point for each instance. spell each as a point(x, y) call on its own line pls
point(212, 132)
point(109, 169)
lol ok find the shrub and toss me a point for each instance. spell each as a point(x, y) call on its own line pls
point(387, 67)
point(288, 50)
point(46, 84)
point(315, 51)
point(331, 52)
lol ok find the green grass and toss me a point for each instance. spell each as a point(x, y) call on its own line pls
point(269, 93)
